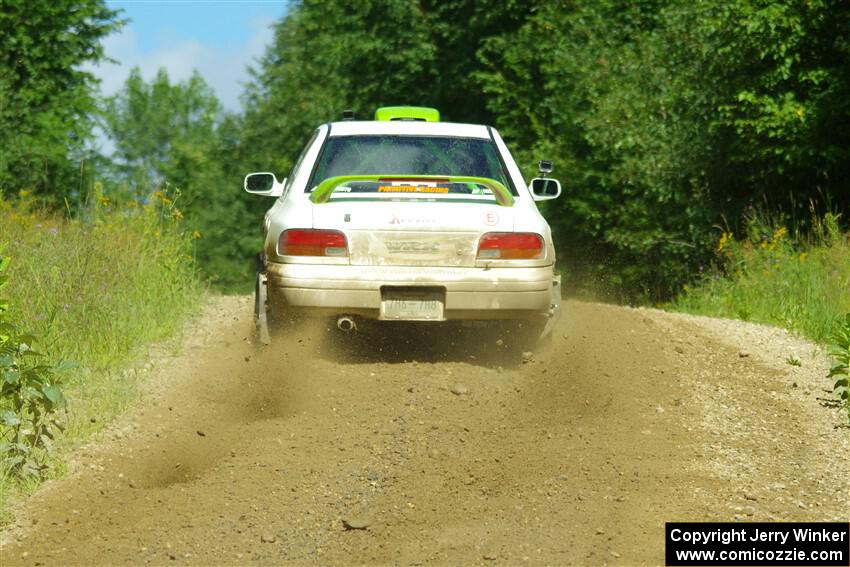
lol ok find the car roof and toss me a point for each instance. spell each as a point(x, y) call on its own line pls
point(407, 128)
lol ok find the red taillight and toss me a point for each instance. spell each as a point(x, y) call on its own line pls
point(312, 242)
point(511, 246)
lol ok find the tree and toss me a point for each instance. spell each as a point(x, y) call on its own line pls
point(46, 99)
point(670, 117)
point(175, 138)
point(163, 132)
point(332, 55)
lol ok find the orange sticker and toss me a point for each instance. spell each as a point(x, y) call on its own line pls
point(411, 189)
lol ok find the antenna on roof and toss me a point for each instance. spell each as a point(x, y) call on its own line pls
point(348, 114)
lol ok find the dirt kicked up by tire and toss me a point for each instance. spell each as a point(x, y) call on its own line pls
point(432, 449)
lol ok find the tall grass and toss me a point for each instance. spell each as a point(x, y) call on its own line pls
point(780, 276)
point(94, 289)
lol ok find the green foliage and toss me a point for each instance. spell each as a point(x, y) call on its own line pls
point(789, 63)
point(667, 117)
point(30, 396)
point(840, 350)
point(47, 99)
point(776, 277)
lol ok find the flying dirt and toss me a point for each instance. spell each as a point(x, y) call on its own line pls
point(436, 448)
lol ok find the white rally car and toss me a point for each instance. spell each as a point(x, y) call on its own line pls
point(406, 218)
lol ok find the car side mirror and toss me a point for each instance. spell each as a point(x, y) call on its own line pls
point(264, 183)
point(545, 188)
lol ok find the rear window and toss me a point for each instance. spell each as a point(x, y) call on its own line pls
point(409, 155)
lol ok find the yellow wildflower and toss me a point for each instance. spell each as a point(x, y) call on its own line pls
point(176, 214)
point(196, 234)
point(780, 233)
point(725, 238)
point(803, 256)
point(103, 200)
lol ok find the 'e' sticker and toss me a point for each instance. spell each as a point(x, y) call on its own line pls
point(491, 218)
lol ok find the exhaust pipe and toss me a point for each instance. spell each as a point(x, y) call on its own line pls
point(346, 324)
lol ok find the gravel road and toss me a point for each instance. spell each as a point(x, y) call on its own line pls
point(435, 449)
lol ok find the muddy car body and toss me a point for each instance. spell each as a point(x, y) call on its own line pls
point(406, 219)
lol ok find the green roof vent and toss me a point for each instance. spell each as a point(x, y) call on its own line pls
point(420, 113)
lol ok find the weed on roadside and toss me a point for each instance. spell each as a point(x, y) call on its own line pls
point(840, 351)
point(93, 288)
point(779, 276)
point(30, 399)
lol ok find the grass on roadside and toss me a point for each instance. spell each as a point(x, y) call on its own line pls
point(92, 290)
point(778, 277)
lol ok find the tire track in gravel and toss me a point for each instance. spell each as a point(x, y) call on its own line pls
point(579, 456)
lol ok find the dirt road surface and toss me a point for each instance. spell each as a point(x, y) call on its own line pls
point(431, 449)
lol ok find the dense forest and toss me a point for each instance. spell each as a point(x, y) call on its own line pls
point(669, 121)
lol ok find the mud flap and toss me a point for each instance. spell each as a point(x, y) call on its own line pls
point(554, 308)
point(261, 317)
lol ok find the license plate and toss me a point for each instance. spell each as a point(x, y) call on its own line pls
point(412, 304)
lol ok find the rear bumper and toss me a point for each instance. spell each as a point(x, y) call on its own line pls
point(470, 293)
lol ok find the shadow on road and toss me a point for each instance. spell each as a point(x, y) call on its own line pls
point(398, 343)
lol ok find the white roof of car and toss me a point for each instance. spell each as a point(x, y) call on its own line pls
point(408, 128)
